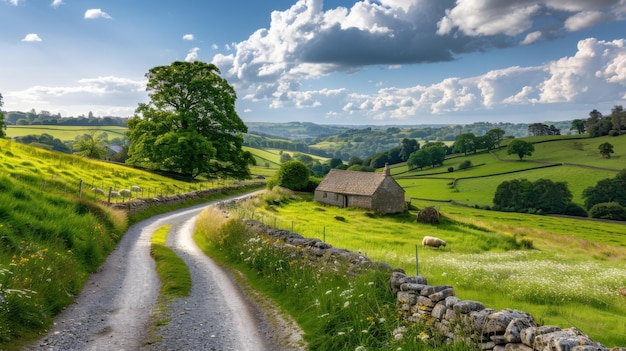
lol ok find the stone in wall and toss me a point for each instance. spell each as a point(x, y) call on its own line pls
point(471, 322)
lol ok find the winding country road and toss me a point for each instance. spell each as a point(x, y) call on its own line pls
point(113, 310)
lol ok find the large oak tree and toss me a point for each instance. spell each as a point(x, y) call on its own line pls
point(190, 125)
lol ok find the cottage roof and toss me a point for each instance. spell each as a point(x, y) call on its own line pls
point(352, 182)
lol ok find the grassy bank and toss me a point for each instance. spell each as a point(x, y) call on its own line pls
point(339, 307)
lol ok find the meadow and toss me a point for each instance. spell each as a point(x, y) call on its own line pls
point(576, 162)
point(565, 272)
point(64, 132)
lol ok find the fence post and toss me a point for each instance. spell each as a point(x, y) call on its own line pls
point(109, 198)
point(80, 189)
point(416, 261)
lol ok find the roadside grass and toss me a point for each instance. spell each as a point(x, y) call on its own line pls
point(64, 132)
point(570, 277)
point(49, 244)
point(338, 308)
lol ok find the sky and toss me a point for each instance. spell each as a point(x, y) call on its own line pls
point(371, 62)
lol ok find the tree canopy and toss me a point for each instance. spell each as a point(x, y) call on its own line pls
point(292, 175)
point(521, 148)
point(190, 125)
point(606, 149)
point(541, 196)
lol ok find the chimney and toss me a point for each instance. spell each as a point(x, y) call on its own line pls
point(387, 170)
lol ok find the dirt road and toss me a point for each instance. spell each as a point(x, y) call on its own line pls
point(113, 310)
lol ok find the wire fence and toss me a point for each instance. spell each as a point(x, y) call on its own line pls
point(114, 192)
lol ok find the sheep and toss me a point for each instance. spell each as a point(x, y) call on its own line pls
point(432, 242)
point(113, 193)
point(125, 193)
point(135, 188)
point(97, 191)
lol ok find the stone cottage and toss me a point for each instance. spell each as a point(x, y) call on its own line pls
point(374, 191)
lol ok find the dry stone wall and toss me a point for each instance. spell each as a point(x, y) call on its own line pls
point(140, 204)
point(473, 323)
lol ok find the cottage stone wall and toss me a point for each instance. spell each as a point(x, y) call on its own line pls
point(389, 198)
point(471, 322)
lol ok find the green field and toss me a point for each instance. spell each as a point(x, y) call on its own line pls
point(64, 132)
point(578, 163)
point(569, 278)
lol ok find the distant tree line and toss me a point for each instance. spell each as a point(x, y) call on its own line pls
point(542, 196)
point(605, 200)
point(46, 118)
point(598, 125)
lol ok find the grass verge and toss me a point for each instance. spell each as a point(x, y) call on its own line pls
point(175, 280)
point(339, 307)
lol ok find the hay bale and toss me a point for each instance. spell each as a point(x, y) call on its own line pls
point(428, 215)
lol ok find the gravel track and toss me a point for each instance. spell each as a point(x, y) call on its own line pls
point(114, 308)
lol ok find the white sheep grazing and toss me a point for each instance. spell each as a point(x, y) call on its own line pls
point(135, 188)
point(432, 242)
point(97, 191)
point(126, 193)
point(114, 193)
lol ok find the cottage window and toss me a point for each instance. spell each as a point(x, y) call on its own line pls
point(325, 195)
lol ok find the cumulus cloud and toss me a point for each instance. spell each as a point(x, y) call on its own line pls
point(596, 73)
point(14, 2)
point(96, 13)
point(32, 37)
point(531, 38)
point(307, 41)
point(513, 17)
point(57, 3)
point(105, 96)
point(192, 55)
point(188, 37)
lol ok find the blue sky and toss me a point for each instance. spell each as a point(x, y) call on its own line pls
point(329, 62)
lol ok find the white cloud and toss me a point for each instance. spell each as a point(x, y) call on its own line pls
point(57, 3)
point(584, 20)
point(105, 96)
point(513, 17)
point(32, 37)
point(594, 75)
point(214, 47)
point(188, 37)
point(192, 55)
point(531, 38)
point(96, 13)
point(14, 2)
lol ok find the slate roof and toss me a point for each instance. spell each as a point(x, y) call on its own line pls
point(351, 182)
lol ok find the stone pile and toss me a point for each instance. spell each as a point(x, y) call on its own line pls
point(471, 322)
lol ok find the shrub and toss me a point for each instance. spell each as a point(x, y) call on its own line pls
point(608, 210)
point(450, 169)
point(614, 132)
point(573, 209)
point(465, 164)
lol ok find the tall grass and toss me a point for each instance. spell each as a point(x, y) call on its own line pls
point(339, 308)
point(43, 237)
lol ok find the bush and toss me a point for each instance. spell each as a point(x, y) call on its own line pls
point(573, 209)
point(608, 210)
point(450, 169)
point(465, 164)
point(292, 175)
point(614, 132)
